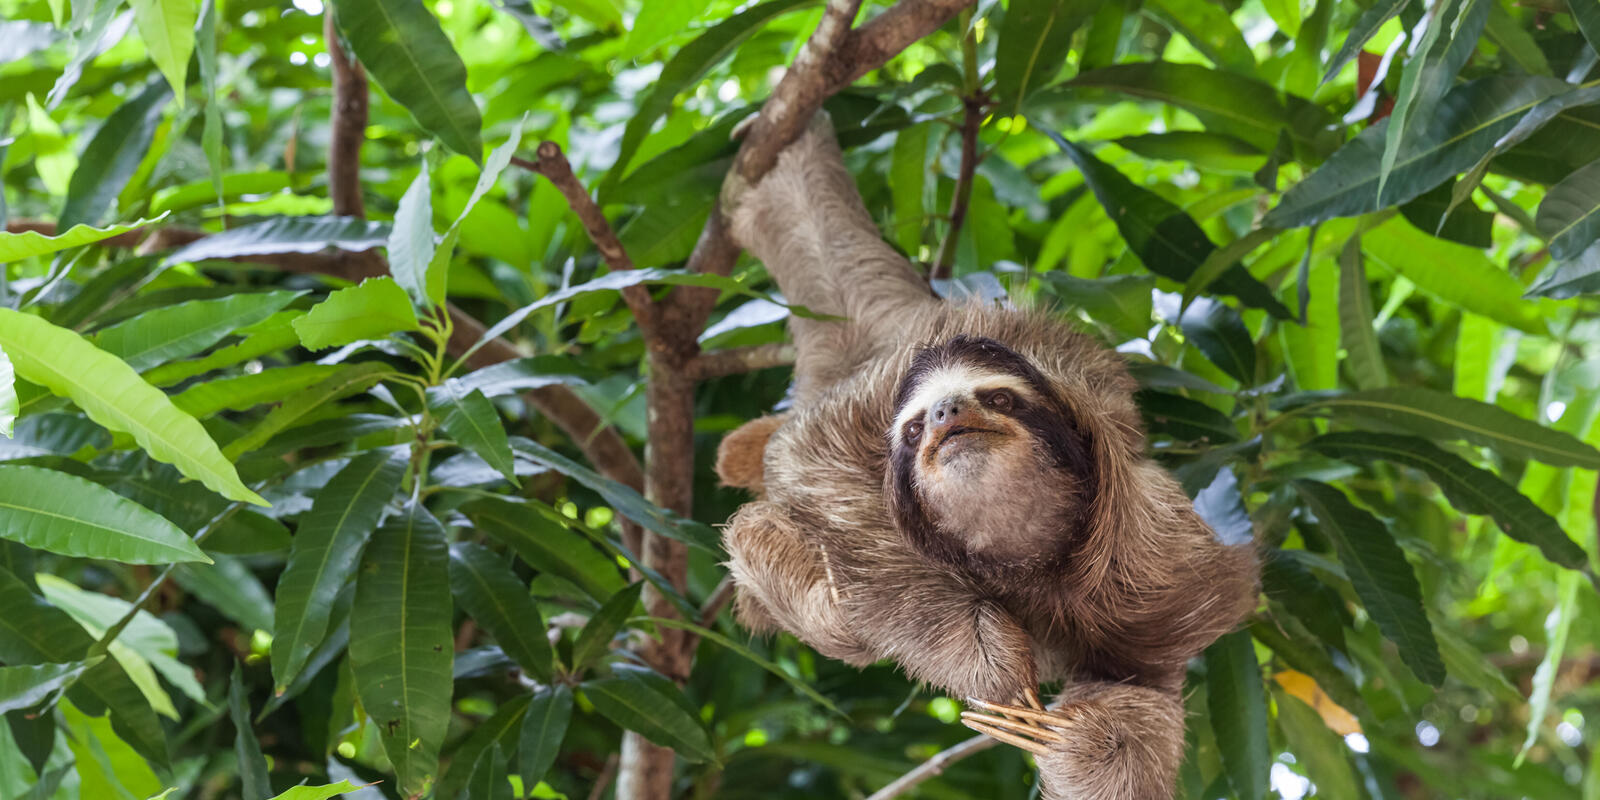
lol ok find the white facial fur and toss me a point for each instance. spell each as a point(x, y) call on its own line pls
point(959, 380)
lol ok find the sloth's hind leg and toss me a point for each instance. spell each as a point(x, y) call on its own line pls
point(783, 582)
point(1103, 741)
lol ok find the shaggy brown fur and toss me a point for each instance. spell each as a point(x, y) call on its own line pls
point(1143, 584)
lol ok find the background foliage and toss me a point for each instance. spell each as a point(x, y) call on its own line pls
point(260, 527)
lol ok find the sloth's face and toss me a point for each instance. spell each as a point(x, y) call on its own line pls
point(982, 455)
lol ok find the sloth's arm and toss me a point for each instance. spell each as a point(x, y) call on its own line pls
point(806, 222)
point(1102, 741)
point(742, 454)
point(784, 583)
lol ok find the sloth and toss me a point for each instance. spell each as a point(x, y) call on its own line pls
point(962, 489)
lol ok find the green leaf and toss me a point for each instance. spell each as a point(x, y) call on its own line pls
point(1457, 274)
point(1566, 279)
point(407, 53)
point(1557, 626)
point(1225, 101)
point(1321, 752)
point(502, 728)
point(1222, 259)
point(908, 179)
point(1220, 333)
point(400, 642)
point(1238, 708)
point(167, 28)
point(472, 421)
point(231, 588)
point(655, 709)
point(350, 379)
point(411, 242)
point(1470, 489)
point(488, 779)
point(1168, 241)
point(1382, 577)
point(106, 765)
point(113, 155)
point(1121, 301)
point(1434, 415)
point(34, 632)
point(1569, 215)
point(1459, 129)
point(1035, 36)
point(625, 500)
point(324, 555)
point(1360, 341)
point(319, 792)
point(65, 514)
point(8, 396)
point(26, 686)
point(1587, 15)
point(1362, 30)
point(1517, 46)
point(1430, 70)
point(485, 586)
point(547, 546)
point(1209, 28)
point(659, 20)
point(605, 13)
point(112, 394)
point(1185, 419)
point(17, 246)
point(239, 392)
point(285, 235)
point(688, 67)
point(543, 728)
point(594, 641)
point(211, 134)
point(1529, 124)
point(252, 765)
point(181, 330)
point(372, 310)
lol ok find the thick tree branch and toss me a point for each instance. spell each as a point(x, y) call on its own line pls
point(933, 767)
point(739, 360)
point(347, 125)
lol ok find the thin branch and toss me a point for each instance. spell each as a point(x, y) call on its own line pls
point(347, 125)
point(607, 774)
point(719, 599)
point(739, 360)
point(886, 35)
point(553, 164)
point(933, 767)
point(971, 121)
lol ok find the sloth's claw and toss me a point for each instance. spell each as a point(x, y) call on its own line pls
point(1054, 719)
point(1030, 698)
point(1008, 738)
point(1023, 728)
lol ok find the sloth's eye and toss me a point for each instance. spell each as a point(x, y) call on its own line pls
point(1000, 400)
point(912, 430)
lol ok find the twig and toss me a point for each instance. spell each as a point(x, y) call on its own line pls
point(347, 125)
point(607, 774)
point(553, 165)
point(933, 767)
point(739, 360)
point(971, 121)
point(718, 600)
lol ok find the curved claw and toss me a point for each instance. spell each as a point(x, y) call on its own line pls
point(1034, 730)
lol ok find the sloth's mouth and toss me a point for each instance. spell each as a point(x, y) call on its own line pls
point(960, 430)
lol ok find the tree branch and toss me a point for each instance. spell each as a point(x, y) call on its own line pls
point(739, 360)
point(971, 121)
point(933, 767)
point(719, 599)
point(553, 165)
point(347, 125)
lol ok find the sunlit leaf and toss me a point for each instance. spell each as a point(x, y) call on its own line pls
point(66, 514)
point(183, 329)
point(25, 244)
point(26, 686)
point(407, 53)
point(372, 310)
point(167, 28)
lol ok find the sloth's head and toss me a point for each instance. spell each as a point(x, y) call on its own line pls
point(986, 462)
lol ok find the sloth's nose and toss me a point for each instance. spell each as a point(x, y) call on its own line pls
point(946, 412)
